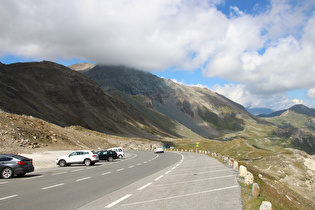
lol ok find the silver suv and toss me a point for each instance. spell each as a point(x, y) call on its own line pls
point(87, 157)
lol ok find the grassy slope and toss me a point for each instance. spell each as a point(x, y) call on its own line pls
point(294, 119)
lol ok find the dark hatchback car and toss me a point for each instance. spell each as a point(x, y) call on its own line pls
point(108, 155)
point(15, 164)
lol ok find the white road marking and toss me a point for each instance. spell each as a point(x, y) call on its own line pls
point(197, 180)
point(7, 197)
point(34, 177)
point(168, 172)
point(159, 177)
point(118, 201)
point(85, 178)
point(106, 173)
point(131, 166)
point(11, 196)
point(64, 172)
point(141, 188)
point(185, 173)
point(120, 169)
point(179, 196)
point(138, 164)
point(52, 186)
point(77, 170)
point(3, 182)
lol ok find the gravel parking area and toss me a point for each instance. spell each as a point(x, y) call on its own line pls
point(46, 159)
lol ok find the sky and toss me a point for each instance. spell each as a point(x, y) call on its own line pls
point(259, 53)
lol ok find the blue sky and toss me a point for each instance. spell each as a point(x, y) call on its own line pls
point(255, 52)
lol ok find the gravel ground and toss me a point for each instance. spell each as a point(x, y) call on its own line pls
point(46, 159)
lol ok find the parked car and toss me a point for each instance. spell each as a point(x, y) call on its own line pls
point(86, 157)
point(159, 150)
point(15, 164)
point(119, 151)
point(108, 155)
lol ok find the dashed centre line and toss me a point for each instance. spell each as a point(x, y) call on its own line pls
point(141, 188)
point(106, 173)
point(64, 172)
point(34, 177)
point(159, 177)
point(168, 172)
point(77, 170)
point(120, 169)
point(7, 197)
point(52, 186)
point(85, 178)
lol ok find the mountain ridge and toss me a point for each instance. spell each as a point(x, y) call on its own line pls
point(201, 110)
point(298, 108)
point(65, 97)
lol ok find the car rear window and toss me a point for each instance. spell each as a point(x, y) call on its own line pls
point(20, 157)
point(6, 158)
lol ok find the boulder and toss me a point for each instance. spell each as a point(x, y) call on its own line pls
point(235, 165)
point(249, 178)
point(265, 205)
point(255, 190)
point(243, 171)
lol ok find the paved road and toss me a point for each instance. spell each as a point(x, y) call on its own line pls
point(196, 182)
point(142, 181)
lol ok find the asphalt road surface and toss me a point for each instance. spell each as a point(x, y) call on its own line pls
point(143, 180)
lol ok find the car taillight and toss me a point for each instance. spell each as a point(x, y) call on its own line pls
point(94, 156)
point(22, 163)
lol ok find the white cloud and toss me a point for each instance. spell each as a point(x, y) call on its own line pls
point(240, 94)
point(311, 93)
point(268, 53)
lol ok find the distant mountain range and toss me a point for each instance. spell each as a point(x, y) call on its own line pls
point(117, 100)
point(299, 108)
point(259, 111)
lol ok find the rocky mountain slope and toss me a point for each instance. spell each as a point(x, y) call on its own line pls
point(296, 127)
point(27, 134)
point(200, 110)
point(65, 97)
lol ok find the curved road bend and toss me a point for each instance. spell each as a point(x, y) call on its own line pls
point(143, 180)
point(195, 182)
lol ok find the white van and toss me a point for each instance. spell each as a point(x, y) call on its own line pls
point(119, 151)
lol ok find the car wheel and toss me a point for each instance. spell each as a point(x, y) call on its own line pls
point(20, 175)
point(120, 156)
point(87, 162)
point(110, 159)
point(7, 173)
point(62, 163)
